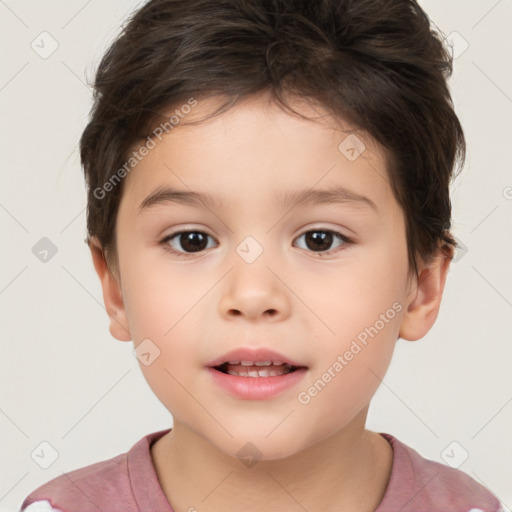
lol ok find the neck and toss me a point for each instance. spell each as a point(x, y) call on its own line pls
point(348, 471)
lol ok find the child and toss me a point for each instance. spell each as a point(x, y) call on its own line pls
point(265, 128)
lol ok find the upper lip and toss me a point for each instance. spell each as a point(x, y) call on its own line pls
point(253, 354)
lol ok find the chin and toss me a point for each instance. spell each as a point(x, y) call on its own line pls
point(250, 449)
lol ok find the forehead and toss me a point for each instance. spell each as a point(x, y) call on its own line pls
point(255, 150)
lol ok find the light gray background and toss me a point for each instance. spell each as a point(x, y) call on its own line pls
point(66, 381)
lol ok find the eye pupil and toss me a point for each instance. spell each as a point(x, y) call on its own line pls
point(323, 237)
point(192, 241)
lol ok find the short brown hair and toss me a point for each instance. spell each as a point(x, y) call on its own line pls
point(377, 64)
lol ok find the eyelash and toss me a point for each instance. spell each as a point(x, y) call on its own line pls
point(346, 240)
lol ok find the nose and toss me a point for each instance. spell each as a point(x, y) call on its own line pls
point(255, 291)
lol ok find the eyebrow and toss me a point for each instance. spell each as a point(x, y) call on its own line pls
point(335, 195)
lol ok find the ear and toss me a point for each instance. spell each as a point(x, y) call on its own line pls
point(112, 294)
point(425, 293)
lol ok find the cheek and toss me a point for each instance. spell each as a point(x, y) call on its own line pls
point(361, 307)
point(348, 370)
point(158, 296)
point(160, 310)
point(161, 317)
point(370, 292)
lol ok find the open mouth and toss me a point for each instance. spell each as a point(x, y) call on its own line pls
point(256, 368)
point(255, 374)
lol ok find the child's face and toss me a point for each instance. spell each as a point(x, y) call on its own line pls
point(309, 308)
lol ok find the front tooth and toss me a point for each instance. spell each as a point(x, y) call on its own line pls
point(246, 363)
point(263, 363)
point(267, 372)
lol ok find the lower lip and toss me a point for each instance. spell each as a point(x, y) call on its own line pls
point(256, 388)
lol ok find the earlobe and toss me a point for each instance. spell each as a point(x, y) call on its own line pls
point(425, 296)
point(112, 295)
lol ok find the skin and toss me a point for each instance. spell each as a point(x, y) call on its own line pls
point(316, 456)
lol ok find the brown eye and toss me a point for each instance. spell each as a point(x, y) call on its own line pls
point(190, 242)
point(320, 240)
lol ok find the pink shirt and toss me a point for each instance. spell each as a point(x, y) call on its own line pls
point(129, 483)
